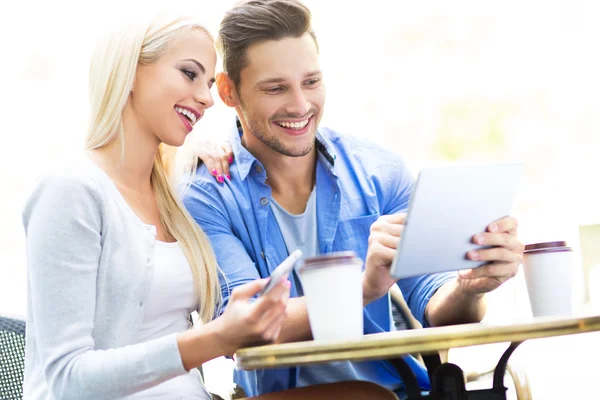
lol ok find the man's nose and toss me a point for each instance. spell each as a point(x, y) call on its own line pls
point(299, 104)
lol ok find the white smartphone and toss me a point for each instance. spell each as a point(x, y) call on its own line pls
point(282, 271)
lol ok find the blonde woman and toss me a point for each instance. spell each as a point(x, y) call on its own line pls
point(115, 263)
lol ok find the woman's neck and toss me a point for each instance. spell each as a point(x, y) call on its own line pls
point(129, 164)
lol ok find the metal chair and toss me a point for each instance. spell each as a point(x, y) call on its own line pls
point(402, 313)
point(12, 357)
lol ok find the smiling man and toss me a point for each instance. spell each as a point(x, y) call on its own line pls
point(296, 185)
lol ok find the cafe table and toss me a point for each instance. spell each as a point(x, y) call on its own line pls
point(447, 380)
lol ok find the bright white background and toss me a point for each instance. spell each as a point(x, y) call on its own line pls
point(434, 81)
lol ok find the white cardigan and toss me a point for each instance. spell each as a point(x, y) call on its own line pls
point(90, 263)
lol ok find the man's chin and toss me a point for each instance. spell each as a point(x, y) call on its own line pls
point(291, 149)
point(297, 148)
point(299, 152)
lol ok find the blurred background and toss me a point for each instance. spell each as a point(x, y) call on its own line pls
point(437, 82)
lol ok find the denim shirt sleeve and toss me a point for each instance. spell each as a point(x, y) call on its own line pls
point(397, 184)
point(419, 290)
point(208, 210)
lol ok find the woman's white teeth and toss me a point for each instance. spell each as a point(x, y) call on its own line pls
point(187, 113)
point(293, 125)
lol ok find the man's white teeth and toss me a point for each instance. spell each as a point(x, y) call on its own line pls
point(293, 125)
point(186, 113)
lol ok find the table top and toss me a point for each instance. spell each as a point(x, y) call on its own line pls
point(393, 344)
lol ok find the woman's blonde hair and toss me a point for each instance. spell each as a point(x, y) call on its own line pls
point(112, 74)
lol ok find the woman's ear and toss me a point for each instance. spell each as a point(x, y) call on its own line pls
point(226, 89)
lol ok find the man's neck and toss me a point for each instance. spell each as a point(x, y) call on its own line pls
point(291, 178)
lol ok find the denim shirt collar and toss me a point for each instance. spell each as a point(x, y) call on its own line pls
point(245, 160)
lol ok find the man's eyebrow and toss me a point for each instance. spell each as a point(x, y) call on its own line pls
point(313, 73)
point(269, 80)
point(198, 64)
point(279, 80)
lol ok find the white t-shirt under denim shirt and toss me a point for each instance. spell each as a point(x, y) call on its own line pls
point(300, 232)
point(93, 272)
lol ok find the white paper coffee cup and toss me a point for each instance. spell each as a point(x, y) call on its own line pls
point(548, 274)
point(332, 286)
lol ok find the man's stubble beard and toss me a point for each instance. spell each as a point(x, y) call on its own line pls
point(274, 143)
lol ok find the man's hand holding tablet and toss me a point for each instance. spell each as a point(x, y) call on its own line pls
point(502, 258)
point(486, 257)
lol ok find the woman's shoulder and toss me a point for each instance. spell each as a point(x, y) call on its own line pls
point(75, 177)
point(71, 185)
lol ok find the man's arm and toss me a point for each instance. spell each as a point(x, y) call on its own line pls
point(395, 182)
point(450, 305)
point(208, 210)
point(296, 326)
point(438, 299)
point(463, 300)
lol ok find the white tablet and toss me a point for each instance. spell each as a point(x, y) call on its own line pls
point(447, 207)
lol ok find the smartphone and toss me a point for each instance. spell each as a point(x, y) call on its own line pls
point(282, 271)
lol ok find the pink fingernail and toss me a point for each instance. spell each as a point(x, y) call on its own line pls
point(474, 255)
point(220, 179)
point(288, 284)
point(493, 228)
point(230, 160)
point(214, 172)
point(228, 177)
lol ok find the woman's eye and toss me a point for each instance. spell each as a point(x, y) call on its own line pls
point(191, 75)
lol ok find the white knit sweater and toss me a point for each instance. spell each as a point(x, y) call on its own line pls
point(90, 263)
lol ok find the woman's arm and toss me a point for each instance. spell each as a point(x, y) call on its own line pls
point(217, 158)
point(242, 324)
point(63, 224)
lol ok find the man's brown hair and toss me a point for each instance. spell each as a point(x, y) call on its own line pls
point(255, 21)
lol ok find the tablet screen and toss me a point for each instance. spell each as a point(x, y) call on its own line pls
point(447, 207)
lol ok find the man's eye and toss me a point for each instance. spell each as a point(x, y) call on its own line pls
point(273, 90)
point(191, 75)
point(312, 82)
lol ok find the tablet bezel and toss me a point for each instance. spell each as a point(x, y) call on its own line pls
point(448, 206)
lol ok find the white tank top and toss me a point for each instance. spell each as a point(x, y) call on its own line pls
point(170, 301)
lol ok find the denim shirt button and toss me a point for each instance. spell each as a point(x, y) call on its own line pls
point(262, 254)
point(264, 201)
point(258, 169)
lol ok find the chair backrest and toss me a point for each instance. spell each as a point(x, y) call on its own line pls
point(589, 236)
point(400, 311)
point(12, 358)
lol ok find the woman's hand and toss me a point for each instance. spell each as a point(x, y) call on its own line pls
point(217, 158)
point(250, 323)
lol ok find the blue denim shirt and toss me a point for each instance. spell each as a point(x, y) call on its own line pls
point(356, 182)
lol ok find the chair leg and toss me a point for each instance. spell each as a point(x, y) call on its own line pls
point(521, 382)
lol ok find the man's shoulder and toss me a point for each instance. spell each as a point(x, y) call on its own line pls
point(357, 149)
point(204, 187)
point(203, 179)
